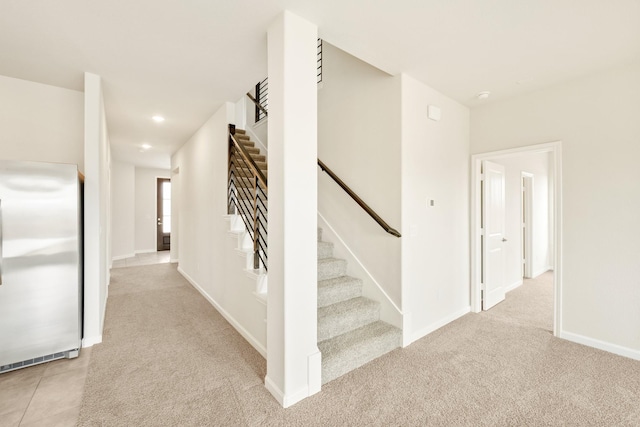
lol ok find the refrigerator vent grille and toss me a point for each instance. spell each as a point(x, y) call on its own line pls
point(29, 362)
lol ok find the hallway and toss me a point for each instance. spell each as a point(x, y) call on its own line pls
point(530, 304)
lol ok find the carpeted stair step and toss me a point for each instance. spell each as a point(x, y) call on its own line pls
point(241, 131)
point(325, 250)
point(247, 172)
point(337, 319)
point(338, 289)
point(252, 150)
point(260, 161)
point(244, 182)
point(329, 268)
point(353, 349)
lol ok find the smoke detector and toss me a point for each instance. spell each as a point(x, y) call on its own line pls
point(483, 95)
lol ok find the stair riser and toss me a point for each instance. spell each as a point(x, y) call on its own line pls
point(325, 250)
point(354, 358)
point(329, 270)
point(336, 294)
point(332, 326)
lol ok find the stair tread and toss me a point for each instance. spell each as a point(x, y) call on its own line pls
point(334, 346)
point(343, 307)
point(344, 316)
point(337, 289)
point(329, 260)
point(337, 281)
point(349, 351)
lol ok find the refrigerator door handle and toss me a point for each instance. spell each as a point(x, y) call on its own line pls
point(0, 241)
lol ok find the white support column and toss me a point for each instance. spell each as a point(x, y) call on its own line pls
point(96, 210)
point(293, 359)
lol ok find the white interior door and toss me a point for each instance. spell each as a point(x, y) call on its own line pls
point(493, 214)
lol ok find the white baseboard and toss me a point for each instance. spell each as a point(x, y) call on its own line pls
point(285, 400)
point(601, 345)
point(119, 257)
point(540, 272)
point(146, 251)
point(274, 390)
point(514, 285)
point(440, 323)
point(250, 338)
point(91, 341)
point(314, 372)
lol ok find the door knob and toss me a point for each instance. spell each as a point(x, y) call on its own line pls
point(504, 240)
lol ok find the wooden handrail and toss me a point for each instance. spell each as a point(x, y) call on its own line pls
point(358, 200)
point(255, 101)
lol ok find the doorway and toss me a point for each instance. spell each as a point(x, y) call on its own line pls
point(163, 214)
point(478, 261)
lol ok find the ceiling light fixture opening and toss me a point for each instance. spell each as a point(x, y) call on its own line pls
point(158, 119)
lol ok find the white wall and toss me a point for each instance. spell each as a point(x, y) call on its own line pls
point(41, 123)
point(97, 238)
point(206, 249)
point(359, 139)
point(538, 165)
point(146, 208)
point(122, 210)
point(596, 118)
point(435, 240)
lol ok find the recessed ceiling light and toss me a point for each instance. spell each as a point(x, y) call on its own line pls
point(158, 119)
point(146, 146)
point(483, 95)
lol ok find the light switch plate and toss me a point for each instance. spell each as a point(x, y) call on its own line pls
point(434, 113)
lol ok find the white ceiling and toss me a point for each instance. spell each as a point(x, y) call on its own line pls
point(183, 59)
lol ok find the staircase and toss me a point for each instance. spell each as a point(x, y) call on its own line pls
point(260, 159)
point(350, 332)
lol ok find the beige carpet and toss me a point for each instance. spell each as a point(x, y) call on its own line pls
point(169, 359)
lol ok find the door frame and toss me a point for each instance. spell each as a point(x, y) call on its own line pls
point(159, 215)
point(526, 216)
point(555, 148)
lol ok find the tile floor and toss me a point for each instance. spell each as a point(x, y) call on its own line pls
point(48, 394)
point(160, 257)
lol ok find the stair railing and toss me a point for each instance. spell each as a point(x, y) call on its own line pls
point(358, 200)
point(259, 107)
point(247, 196)
point(261, 99)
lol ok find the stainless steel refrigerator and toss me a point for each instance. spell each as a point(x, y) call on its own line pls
point(40, 263)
